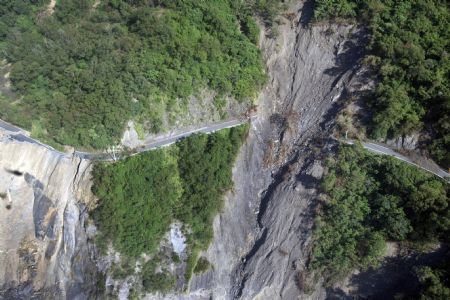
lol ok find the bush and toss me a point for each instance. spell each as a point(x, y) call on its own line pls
point(335, 8)
point(156, 281)
point(434, 282)
point(202, 266)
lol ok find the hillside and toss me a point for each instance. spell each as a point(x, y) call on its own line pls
point(303, 194)
point(81, 72)
point(409, 54)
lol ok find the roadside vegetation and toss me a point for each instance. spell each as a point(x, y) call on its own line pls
point(370, 200)
point(409, 49)
point(202, 266)
point(140, 196)
point(83, 71)
point(434, 282)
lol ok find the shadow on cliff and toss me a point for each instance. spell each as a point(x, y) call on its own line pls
point(348, 55)
point(396, 277)
point(347, 59)
point(307, 13)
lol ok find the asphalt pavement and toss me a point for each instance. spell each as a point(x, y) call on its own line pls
point(9, 127)
point(20, 135)
point(383, 150)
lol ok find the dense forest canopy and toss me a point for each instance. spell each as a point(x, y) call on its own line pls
point(82, 71)
point(372, 199)
point(410, 50)
point(140, 196)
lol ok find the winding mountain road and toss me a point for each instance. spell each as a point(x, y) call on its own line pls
point(383, 150)
point(20, 135)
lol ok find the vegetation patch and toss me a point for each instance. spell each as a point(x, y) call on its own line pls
point(371, 199)
point(140, 196)
point(202, 266)
point(84, 71)
point(123, 269)
point(156, 279)
point(139, 130)
point(409, 50)
point(434, 281)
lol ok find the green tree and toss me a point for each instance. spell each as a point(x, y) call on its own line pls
point(433, 287)
point(389, 218)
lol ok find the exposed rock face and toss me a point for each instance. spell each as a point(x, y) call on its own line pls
point(407, 142)
point(43, 245)
point(262, 237)
point(198, 111)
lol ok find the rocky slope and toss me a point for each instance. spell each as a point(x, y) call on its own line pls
point(43, 241)
point(262, 236)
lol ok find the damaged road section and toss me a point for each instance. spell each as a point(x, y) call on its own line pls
point(262, 238)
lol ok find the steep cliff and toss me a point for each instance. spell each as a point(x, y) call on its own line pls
point(43, 241)
point(261, 237)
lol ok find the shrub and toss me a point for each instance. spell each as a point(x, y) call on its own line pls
point(202, 265)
